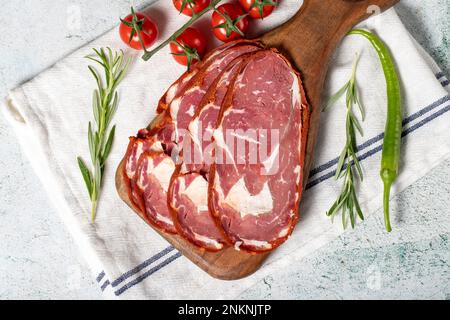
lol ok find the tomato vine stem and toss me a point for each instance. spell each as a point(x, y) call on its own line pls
point(136, 28)
point(195, 16)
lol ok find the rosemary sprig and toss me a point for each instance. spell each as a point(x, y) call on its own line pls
point(347, 202)
point(104, 104)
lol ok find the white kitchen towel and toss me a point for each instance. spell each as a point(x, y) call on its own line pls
point(129, 260)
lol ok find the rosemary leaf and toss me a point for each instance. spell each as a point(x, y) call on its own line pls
point(86, 174)
point(91, 142)
point(96, 106)
point(108, 144)
point(96, 76)
point(360, 106)
point(332, 101)
point(340, 164)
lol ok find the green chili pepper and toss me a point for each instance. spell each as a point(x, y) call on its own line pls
point(393, 131)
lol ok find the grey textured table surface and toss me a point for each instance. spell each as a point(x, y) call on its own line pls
point(39, 260)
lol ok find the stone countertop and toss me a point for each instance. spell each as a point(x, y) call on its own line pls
point(39, 259)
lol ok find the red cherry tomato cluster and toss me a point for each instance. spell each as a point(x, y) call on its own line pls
point(229, 21)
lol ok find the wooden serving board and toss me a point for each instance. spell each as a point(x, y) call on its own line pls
point(308, 39)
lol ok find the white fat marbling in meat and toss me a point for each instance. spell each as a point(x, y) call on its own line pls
point(255, 200)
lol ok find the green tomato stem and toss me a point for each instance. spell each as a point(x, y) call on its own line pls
point(147, 55)
point(137, 29)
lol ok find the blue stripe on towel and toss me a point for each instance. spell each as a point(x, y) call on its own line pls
point(427, 109)
point(104, 285)
point(442, 78)
point(377, 149)
point(315, 171)
point(379, 137)
point(100, 276)
point(147, 274)
point(439, 75)
point(144, 264)
point(425, 121)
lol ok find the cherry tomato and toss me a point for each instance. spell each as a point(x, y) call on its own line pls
point(149, 31)
point(259, 8)
point(189, 47)
point(230, 24)
point(186, 6)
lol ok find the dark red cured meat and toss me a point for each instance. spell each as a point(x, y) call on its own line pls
point(197, 149)
point(153, 177)
point(187, 92)
point(256, 199)
point(136, 147)
point(184, 80)
point(160, 136)
point(188, 191)
point(183, 107)
point(163, 126)
point(244, 221)
point(189, 203)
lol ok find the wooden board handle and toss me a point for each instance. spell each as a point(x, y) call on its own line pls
point(311, 36)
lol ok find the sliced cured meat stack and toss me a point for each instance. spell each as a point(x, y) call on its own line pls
point(184, 105)
point(161, 135)
point(153, 177)
point(222, 162)
point(256, 180)
point(188, 191)
point(190, 88)
point(198, 149)
point(209, 59)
